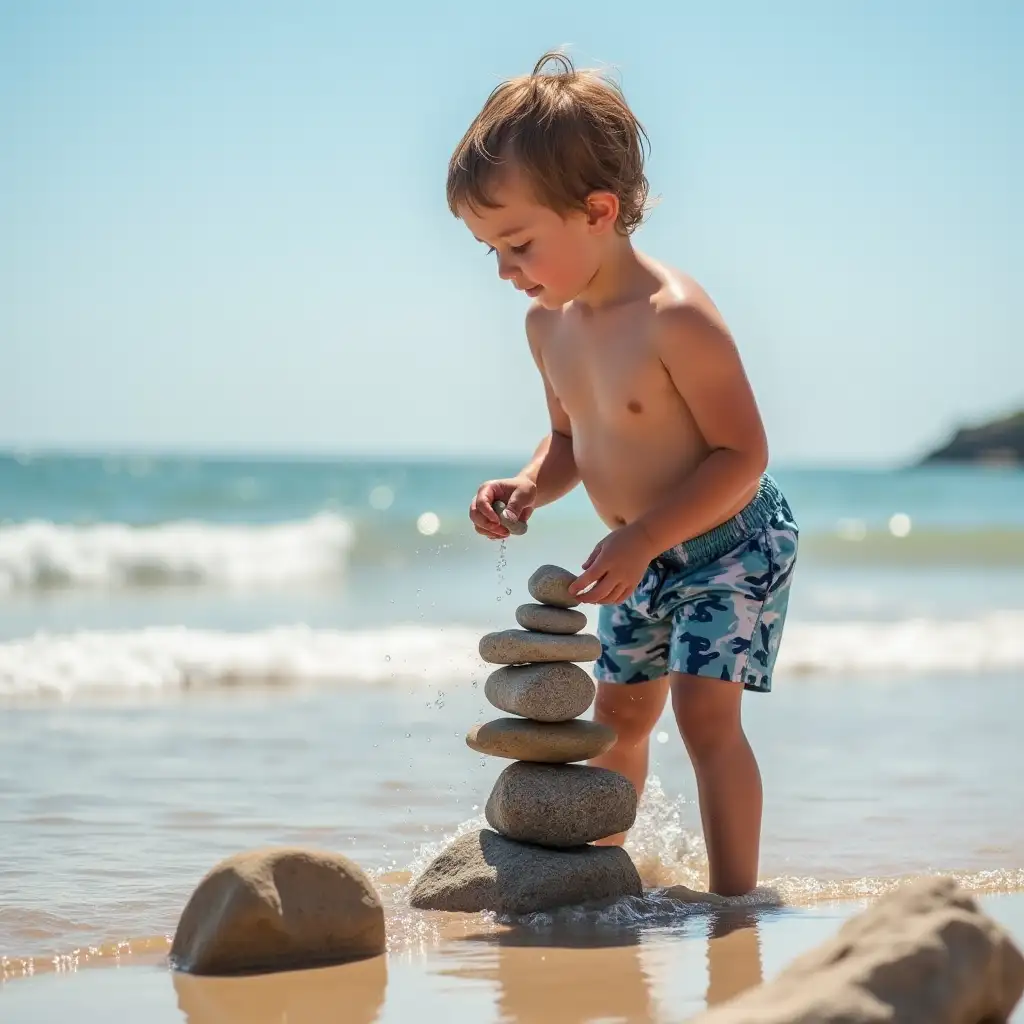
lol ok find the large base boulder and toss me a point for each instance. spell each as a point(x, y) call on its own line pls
point(279, 909)
point(485, 871)
point(924, 954)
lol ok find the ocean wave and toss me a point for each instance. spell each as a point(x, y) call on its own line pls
point(39, 555)
point(169, 659)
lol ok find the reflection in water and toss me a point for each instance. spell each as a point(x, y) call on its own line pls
point(569, 977)
point(348, 994)
point(734, 955)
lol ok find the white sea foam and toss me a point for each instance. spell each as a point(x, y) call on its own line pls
point(170, 659)
point(40, 554)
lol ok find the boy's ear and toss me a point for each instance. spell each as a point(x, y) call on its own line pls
point(602, 210)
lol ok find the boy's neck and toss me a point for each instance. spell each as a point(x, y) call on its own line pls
point(622, 277)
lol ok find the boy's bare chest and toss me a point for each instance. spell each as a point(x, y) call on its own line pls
point(607, 374)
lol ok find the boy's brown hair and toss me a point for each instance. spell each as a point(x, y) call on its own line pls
point(571, 132)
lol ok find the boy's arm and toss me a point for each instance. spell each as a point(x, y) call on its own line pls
point(701, 358)
point(553, 466)
point(551, 472)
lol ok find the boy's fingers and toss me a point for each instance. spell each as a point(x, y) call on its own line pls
point(590, 575)
point(602, 590)
point(518, 502)
point(484, 500)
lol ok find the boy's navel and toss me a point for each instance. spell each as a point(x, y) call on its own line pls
point(634, 406)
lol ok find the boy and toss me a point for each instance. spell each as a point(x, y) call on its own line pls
point(651, 410)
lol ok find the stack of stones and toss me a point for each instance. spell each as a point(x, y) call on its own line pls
point(544, 808)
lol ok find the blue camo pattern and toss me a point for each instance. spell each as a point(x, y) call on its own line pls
point(722, 620)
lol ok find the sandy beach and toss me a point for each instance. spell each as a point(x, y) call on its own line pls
point(572, 973)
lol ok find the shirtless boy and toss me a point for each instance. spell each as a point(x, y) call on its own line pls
point(652, 411)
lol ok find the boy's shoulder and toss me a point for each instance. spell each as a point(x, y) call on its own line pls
point(684, 312)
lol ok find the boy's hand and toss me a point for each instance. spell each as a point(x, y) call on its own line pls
point(615, 567)
point(518, 494)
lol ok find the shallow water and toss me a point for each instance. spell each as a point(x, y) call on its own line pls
point(173, 696)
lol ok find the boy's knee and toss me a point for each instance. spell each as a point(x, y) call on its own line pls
point(632, 710)
point(708, 714)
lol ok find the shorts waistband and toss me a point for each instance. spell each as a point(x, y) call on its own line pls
point(719, 541)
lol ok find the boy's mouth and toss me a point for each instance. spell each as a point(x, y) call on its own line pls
point(534, 291)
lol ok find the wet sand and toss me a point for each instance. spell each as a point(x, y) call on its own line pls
point(513, 975)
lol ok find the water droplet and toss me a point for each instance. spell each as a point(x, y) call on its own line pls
point(508, 590)
point(387, 657)
point(476, 683)
point(662, 737)
point(408, 735)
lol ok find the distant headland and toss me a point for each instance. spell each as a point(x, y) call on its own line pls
point(999, 442)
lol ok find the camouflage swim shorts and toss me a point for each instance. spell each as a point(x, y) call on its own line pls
point(712, 606)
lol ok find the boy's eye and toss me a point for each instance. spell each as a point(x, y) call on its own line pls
point(520, 250)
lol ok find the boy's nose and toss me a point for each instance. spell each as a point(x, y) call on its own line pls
point(506, 269)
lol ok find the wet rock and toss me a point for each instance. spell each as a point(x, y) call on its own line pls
point(551, 742)
point(278, 909)
point(485, 871)
point(523, 646)
point(554, 692)
point(514, 526)
point(550, 585)
point(924, 954)
point(560, 805)
point(543, 618)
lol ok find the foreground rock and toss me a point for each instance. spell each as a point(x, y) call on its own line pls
point(279, 909)
point(549, 742)
point(555, 692)
point(560, 805)
point(523, 646)
point(485, 871)
point(924, 954)
point(550, 585)
point(544, 619)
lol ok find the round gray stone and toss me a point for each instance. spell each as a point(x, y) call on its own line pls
point(560, 804)
point(554, 692)
point(549, 742)
point(544, 618)
point(550, 585)
point(524, 647)
point(514, 526)
point(484, 871)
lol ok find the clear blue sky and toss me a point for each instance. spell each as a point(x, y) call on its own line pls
point(222, 224)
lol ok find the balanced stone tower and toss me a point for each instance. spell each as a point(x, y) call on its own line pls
point(545, 809)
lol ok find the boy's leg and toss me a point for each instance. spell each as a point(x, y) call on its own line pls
point(707, 711)
point(632, 710)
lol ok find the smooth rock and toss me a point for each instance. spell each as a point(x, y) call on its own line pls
point(544, 618)
point(278, 909)
point(550, 585)
point(485, 871)
point(560, 805)
point(514, 526)
point(553, 692)
point(923, 954)
point(549, 742)
point(524, 646)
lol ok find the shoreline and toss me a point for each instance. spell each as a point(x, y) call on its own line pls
point(571, 974)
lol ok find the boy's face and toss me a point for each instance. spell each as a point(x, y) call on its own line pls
point(549, 256)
